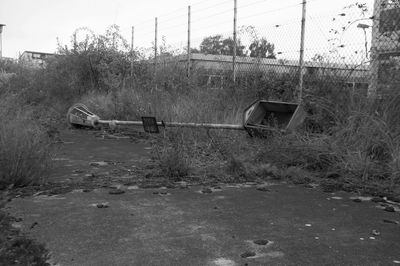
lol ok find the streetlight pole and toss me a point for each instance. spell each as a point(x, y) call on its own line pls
point(234, 40)
point(155, 49)
point(301, 60)
point(1, 40)
point(132, 53)
point(188, 47)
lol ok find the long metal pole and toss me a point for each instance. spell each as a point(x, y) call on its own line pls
point(155, 49)
point(188, 47)
point(301, 60)
point(172, 124)
point(234, 40)
point(1, 40)
point(132, 56)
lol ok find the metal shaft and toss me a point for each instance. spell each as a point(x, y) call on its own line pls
point(1, 40)
point(234, 40)
point(173, 124)
point(155, 48)
point(188, 46)
point(301, 60)
point(1, 45)
point(132, 53)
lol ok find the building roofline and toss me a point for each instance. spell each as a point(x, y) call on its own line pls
point(267, 61)
point(35, 52)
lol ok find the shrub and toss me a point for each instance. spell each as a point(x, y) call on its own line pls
point(236, 167)
point(173, 164)
point(172, 157)
point(24, 146)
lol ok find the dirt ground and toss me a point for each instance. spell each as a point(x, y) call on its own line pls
point(102, 206)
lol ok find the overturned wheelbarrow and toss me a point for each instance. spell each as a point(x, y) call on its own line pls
point(263, 117)
point(259, 119)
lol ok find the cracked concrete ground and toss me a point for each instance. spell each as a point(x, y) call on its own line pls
point(300, 226)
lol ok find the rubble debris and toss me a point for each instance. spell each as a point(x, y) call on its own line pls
point(116, 191)
point(263, 189)
point(206, 191)
point(389, 209)
point(101, 163)
point(248, 254)
point(391, 221)
point(378, 199)
point(261, 242)
point(375, 232)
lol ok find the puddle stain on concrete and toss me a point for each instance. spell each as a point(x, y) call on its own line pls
point(219, 198)
point(60, 159)
point(361, 198)
point(223, 262)
point(336, 198)
point(41, 198)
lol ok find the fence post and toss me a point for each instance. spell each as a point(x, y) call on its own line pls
point(155, 49)
point(373, 88)
point(234, 40)
point(1, 40)
point(132, 57)
point(188, 48)
point(301, 60)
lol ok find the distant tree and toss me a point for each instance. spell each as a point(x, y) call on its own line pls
point(91, 62)
point(219, 46)
point(262, 49)
point(228, 45)
point(194, 50)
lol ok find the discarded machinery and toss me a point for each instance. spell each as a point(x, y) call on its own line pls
point(259, 118)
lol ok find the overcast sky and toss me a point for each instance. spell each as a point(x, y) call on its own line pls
point(36, 25)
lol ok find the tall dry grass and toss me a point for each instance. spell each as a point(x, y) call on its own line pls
point(356, 143)
point(24, 145)
point(358, 139)
point(192, 106)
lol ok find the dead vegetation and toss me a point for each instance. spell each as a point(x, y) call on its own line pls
point(346, 137)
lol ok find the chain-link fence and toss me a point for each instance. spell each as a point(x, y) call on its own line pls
point(290, 47)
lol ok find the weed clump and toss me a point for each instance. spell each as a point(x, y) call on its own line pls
point(24, 146)
point(173, 164)
point(173, 159)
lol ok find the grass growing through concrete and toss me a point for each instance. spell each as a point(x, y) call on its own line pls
point(24, 145)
